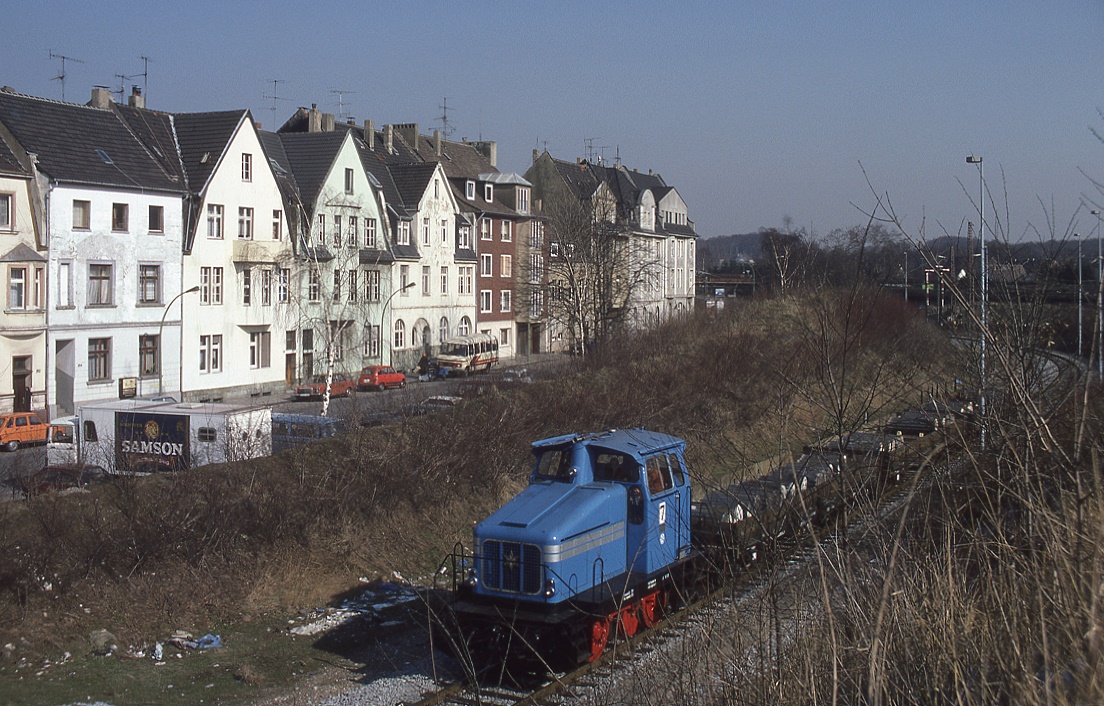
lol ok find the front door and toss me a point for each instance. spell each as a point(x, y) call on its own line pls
point(21, 383)
point(65, 367)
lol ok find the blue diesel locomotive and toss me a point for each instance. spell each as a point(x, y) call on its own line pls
point(598, 543)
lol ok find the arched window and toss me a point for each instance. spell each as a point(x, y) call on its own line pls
point(442, 329)
point(400, 334)
point(465, 327)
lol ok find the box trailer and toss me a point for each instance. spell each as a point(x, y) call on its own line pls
point(142, 436)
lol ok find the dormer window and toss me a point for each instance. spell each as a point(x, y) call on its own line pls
point(523, 200)
point(469, 190)
point(247, 167)
point(488, 192)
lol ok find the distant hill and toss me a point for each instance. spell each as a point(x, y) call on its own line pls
point(727, 248)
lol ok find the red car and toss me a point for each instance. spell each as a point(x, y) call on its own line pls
point(377, 377)
point(340, 386)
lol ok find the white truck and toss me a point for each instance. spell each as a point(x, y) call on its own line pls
point(143, 436)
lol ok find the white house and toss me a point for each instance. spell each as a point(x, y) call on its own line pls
point(112, 216)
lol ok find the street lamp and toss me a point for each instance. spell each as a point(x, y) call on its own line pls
point(1099, 303)
point(383, 311)
point(160, 340)
point(972, 159)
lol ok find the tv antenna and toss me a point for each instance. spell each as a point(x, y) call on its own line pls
point(61, 75)
point(591, 149)
point(145, 74)
point(445, 130)
point(341, 102)
point(123, 78)
point(275, 97)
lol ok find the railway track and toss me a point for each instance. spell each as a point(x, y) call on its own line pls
point(794, 554)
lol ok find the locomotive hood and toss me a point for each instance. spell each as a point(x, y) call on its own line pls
point(548, 513)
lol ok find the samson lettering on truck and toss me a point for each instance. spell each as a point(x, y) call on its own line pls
point(148, 442)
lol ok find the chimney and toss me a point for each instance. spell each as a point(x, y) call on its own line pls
point(409, 132)
point(489, 150)
point(536, 154)
point(327, 122)
point(314, 119)
point(136, 99)
point(389, 137)
point(257, 124)
point(101, 97)
point(437, 142)
point(370, 134)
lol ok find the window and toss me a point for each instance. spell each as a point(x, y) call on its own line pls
point(444, 230)
point(469, 190)
point(157, 219)
point(38, 294)
point(466, 280)
point(348, 181)
point(210, 353)
point(266, 287)
point(442, 330)
point(485, 264)
point(245, 223)
point(210, 285)
point(7, 211)
point(536, 303)
point(17, 288)
point(120, 217)
point(82, 215)
point(507, 231)
point(506, 263)
point(247, 167)
point(444, 279)
point(369, 232)
point(207, 435)
point(314, 286)
point(372, 285)
point(404, 278)
point(371, 341)
point(465, 237)
point(260, 349)
point(100, 285)
point(425, 280)
point(277, 224)
point(247, 286)
point(149, 364)
point(99, 359)
point(149, 284)
point(536, 267)
point(283, 284)
point(322, 228)
point(353, 225)
point(484, 229)
point(504, 336)
point(523, 200)
point(464, 329)
point(65, 285)
point(400, 334)
point(504, 301)
point(404, 233)
point(214, 221)
point(488, 192)
point(336, 284)
point(554, 249)
point(352, 275)
point(337, 231)
point(425, 231)
point(436, 188)
point(484, 301)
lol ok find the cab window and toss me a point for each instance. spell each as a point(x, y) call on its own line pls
point(659, 474)
point(615, 467)
point(555, 465)
point(676, 469)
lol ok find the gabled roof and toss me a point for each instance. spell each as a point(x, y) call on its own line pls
point(154, 129)
point(278, 160)
point(22, 253)
point(412, 180)
point(579, 177)
point(79, 144)
point(478, 204)
point(311, 155)
point(203, 139)
point(459, 159)
point(9, 165)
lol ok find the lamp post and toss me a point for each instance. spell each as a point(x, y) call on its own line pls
point(383, 314)
point(160, 340)
point(972, 159)
point(1099, 303)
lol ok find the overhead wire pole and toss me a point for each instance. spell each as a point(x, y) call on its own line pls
point(984, 289)
point(1099, 301)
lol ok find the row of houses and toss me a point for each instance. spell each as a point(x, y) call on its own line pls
point(197, 254)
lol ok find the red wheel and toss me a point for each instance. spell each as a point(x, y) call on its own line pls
point(651, 606)
point(630, 623)
point(599, 636)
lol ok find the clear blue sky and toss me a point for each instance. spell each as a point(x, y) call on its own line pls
point(755, 111)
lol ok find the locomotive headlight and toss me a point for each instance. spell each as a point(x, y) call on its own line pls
point(549, 588)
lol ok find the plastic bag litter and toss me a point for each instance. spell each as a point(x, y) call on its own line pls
point(209, 641)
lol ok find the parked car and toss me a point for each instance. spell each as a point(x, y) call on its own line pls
point(19, 428)
point(340, 386)
point(437, 403)
point(62, 477)
point(377, 377)
point(290, 430)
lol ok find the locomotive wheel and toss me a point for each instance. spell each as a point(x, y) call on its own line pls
point(651, 606)
point(629, 620)
point(599, 636)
